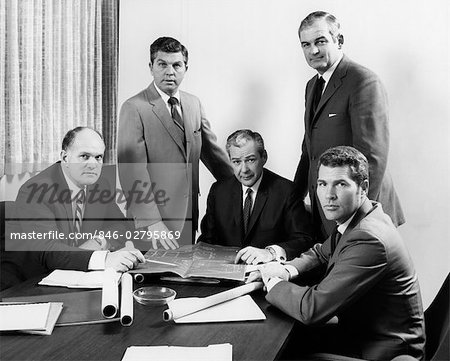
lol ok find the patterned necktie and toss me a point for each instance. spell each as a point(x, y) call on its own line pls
point(318, 89)
point(247, 208)
point(174, 111)
point(79, 201)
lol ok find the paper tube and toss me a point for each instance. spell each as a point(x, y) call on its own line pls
point(110, 293)
point(126, 303)
point(180, 310)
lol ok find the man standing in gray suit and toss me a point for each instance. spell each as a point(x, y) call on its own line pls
point(345, 104)
point(163, 132)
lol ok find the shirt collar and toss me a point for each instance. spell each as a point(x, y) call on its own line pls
point(254, 187)
point(74, 189)
point(166, 97)
point(343, 227)
point(327, 75)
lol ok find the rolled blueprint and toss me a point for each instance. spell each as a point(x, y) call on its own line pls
point(126, 300)
point(179, 310)
point(110, 293)
point(139, 277)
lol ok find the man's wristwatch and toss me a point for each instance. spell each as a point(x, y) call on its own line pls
point(272, 252)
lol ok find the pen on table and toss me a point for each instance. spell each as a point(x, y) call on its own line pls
point(160, 262)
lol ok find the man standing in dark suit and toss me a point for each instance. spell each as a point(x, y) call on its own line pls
point(370, 282)
point(345, 104)
point(66, 216)
point(163, 132)
point(256, 209)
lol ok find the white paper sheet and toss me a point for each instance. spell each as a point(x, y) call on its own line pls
point(221, 352)
point(31, 316)
point(74, 279)
point(239, 309)
point(126, 304)
point(55, 311)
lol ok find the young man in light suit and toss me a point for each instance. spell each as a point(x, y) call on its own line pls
point(349, 108)
point(369, 283)
point(163, 133)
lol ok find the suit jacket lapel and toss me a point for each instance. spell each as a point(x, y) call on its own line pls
point(161, 112)
point(236, 201)
point(333, 85)
point(308, 105)
point(362, 212)
point(62, 193)
point(187, 114)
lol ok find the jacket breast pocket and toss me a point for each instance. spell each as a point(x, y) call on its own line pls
point(331, 120)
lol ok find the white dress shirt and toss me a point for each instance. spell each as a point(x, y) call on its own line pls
point(98, 258)
point(327, 75)
point(166, 98)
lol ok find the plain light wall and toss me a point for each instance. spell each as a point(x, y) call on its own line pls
point(247, 67)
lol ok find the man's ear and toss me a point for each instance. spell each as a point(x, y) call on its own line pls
point(365, 187)
point(63, 156)
point(264, 157)
point(340, 39)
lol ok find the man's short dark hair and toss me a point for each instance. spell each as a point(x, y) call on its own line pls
point(344, 155)
point(168, 45)
point(70, 136)
point(333, 23)
point(241, 136)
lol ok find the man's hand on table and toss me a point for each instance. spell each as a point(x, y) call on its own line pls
point(123, 260)
point(267, 272)
point(160, 229)
point(253, 255)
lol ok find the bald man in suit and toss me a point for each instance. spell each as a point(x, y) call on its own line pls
point(345, 104)
point(59, 232)
point(163, 133)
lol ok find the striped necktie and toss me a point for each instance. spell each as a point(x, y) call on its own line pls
point(175, 114)
point(247, 208)
point(78, 218)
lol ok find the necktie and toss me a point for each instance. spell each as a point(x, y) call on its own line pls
point(335, 237)
point(318, 89)
point(79, 201)
point(174, 111)
point(247, 208)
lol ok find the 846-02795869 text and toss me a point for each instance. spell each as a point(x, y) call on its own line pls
point(128, 235)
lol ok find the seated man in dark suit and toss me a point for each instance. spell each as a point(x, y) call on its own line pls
point(256, 209)
point(370, 282)
point(66, 216)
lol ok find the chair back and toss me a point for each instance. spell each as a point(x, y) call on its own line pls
point(437, 325)
point(11, 263)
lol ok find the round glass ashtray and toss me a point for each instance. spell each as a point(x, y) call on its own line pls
point(154, 295)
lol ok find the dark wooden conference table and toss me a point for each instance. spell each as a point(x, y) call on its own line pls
point(251, 340)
